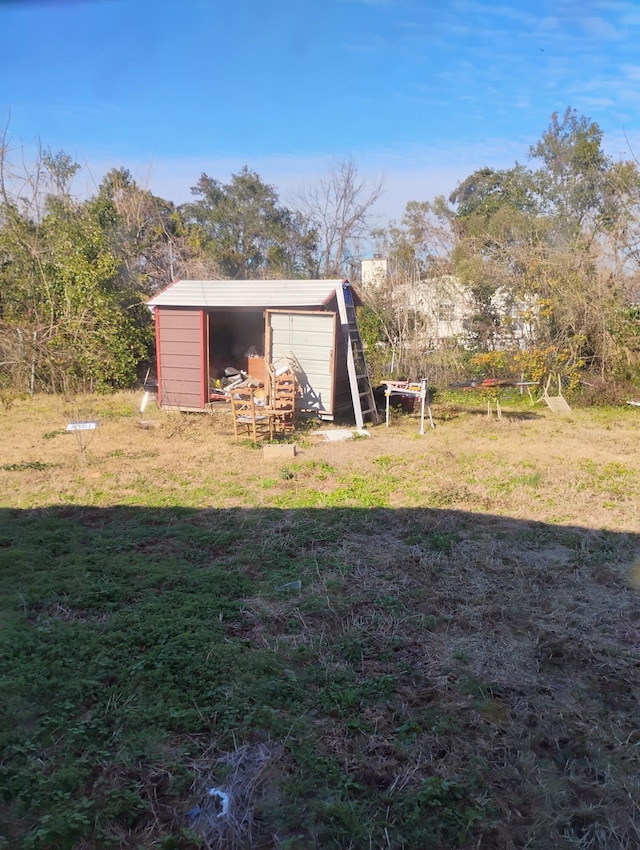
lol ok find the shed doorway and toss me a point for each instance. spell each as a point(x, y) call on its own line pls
point(235, 335)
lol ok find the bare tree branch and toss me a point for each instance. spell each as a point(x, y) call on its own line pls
point(339, 207)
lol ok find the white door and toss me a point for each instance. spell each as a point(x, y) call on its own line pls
point(311, 338)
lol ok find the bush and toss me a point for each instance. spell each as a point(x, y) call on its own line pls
point(600, 392)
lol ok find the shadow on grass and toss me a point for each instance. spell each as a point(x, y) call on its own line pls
point(480, 409)
point(342, 677)
point(521, 415)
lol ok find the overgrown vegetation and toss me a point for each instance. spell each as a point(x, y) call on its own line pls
point(75, 273)
point(402, 642)
point(539, 262)
point(544, 259)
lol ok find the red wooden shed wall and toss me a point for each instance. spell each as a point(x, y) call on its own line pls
point(180, 347)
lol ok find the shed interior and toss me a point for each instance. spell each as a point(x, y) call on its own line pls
point(231, 334)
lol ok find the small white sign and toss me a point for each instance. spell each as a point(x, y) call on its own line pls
point(82, 426)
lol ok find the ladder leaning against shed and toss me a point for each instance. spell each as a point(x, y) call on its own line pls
point(359, 381)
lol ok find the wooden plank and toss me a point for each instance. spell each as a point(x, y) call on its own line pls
point(172, 373)
point(557, 403)
point(174, 336)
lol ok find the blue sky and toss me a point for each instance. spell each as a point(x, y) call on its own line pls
point(417, 91)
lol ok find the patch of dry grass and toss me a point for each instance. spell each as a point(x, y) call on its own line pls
point(582, 470)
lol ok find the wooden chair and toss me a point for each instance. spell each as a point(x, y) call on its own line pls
point(283, 401)
point(258, 421)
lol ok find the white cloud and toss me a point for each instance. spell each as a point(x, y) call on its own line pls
point(597, 102)
point(599, 28)
point(494, 10)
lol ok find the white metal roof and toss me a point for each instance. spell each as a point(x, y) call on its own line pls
point(245, 293)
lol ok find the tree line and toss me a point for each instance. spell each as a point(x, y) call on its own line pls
point(559, 237)
point(555, 243)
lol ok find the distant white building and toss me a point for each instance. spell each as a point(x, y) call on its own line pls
point(517, 318)
point(374, 271)
point(442, 307)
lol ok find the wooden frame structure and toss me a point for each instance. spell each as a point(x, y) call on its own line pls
point(258, 421)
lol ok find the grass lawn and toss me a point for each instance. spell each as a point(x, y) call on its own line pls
point(394, 642)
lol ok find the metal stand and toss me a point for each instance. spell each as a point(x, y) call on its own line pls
point(405, 388)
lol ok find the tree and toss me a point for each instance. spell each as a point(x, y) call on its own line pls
point(245, 230)
point(547, 243)
point(498, 229)
point(339, 208)
point(61, 170)
point(572, 184)
point(67, 319)
point(146, 233)
point(421, 245)
point(486, 191)
point(409, 303)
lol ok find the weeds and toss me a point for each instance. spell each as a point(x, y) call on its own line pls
point(27, 465)
point(49, 435)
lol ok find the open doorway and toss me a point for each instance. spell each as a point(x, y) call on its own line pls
point(236, 339)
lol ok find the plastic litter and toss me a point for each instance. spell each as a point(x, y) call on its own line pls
point(194, 812)
point(290, 585)
point(224, 801)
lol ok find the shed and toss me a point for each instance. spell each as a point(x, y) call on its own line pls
point(204, 326)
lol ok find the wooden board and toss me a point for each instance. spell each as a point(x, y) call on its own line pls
point(558, 404)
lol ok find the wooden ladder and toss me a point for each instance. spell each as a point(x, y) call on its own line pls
point(359, 381)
